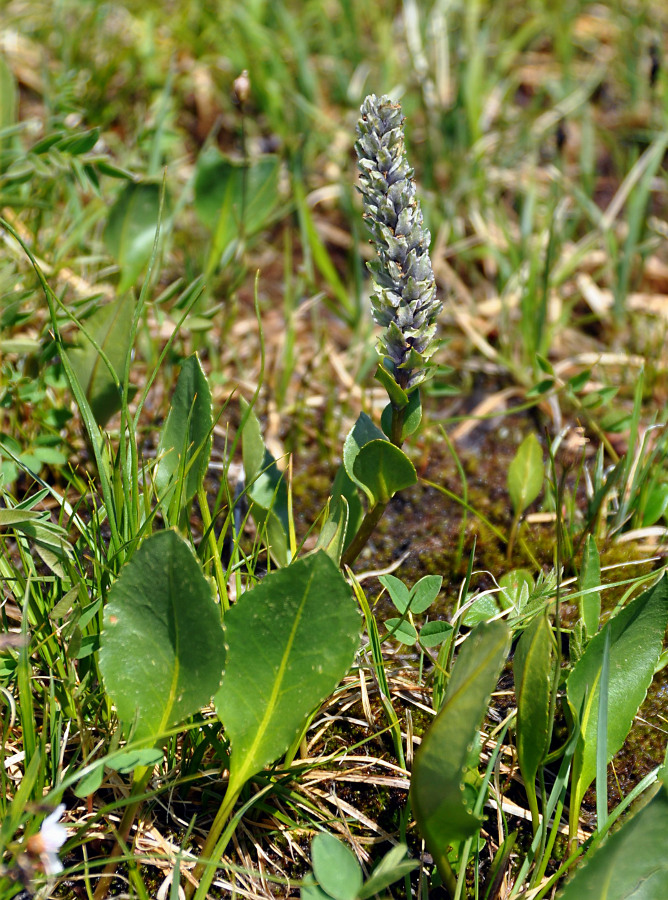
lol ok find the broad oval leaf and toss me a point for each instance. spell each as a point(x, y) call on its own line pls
point(185, 443)
point(399, 593)
point(362, 432)
point(335, 867)
point(162, 648)
point(110, 327)
point(442, 761)
point(533, 670)
point(333, 533)
point(391, 868)
point(424, 592)
point(344, 518)
point(590, 579)
point(266, 487)
point(234, 198)
point(383, 469)
point(525, 474)
point(412, 416)
point(403, 632)
point(126, 762)
point(633, 862)
point(434, 633)
point(636, 639)
point(130, 232)
point(289, 642)
point(482, 609)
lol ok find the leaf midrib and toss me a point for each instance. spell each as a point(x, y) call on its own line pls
point(171, 696)
point(238, 778)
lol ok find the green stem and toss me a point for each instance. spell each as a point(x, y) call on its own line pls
point(513, 536)
point(141, 780)
point(204, 871)
point(213, 546)
point(545, 853)
point(369, 522)
point(396, 431)
point(374, 515)
point(446, 872)
point(533, 807)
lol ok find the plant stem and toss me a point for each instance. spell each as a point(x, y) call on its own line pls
point(213, 546)
point(396, 431)
point(446, 873)
point(369, 522)
point(204, 870)
point(374, 515)
point(142, 777)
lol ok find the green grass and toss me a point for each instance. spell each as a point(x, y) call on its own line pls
point(539, 145)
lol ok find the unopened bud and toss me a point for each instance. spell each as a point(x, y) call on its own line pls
point(242, 88)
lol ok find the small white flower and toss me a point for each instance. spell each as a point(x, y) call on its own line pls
point(47, 842)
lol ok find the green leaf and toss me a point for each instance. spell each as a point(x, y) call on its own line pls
point(8, 107)
point(636, 639)
point(127, 762)
point(434, 633)
point(344, 519)
point(110, 327)
point(48, 539)
point(162, 644)
point(185, 443)
point(266, 487)
point(616, 421)
point(391, 868)
point(533, 670)
point(600, 397)
point(525, 474)
point(442, 761)
point(516, 587)
point(234, 198)
point(335, 866)
point(130, 231)
point(397, 395)
point(577, 382)
point(333, 533)
point(656, 504)
point(632, 863)
point(482, 609)
point(541, 388)
point(383, 469)
point(311, 891)
point(399, 593)
point(412, 416)
point(424, 592)
point(362, 433)
point(405, 633)
point(544, 364)
point(77, 144)
point(590, 578)
point(90, 782)
point(16, 517)
point(289, 642)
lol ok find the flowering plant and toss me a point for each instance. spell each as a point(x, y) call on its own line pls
point(45, 845)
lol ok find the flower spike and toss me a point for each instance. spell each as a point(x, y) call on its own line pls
point(405, 301)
